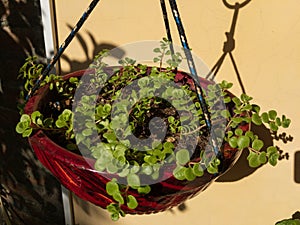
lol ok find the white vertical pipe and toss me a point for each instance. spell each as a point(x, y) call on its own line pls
point(49, 37)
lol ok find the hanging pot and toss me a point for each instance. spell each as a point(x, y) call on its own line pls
point(76, 173)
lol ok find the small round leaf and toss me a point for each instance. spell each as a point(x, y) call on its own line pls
point(256, 119)
point(189, 174)
point(131, 202)
point(144, 190)
point(272, 114)
point(243, 142)
point(198, 171)
point(233, 142)
point(112, 187)
point(118, 197)
point(265, 117)
point(257, 144)
point(182, 156)
point(179, 173)
point(262, 158)
point(133, 180)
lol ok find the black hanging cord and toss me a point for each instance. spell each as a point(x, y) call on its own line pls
point(63, 47)
point(195, 77)
point(167, 24)
point(229, 45)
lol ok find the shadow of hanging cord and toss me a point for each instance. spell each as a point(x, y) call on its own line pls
point(229, 45)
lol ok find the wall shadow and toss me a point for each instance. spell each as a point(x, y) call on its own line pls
point(241, 168)
point(297, 168)
point(75, 65)
point(29, 193)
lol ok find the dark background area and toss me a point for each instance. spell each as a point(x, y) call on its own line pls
point(30, 195)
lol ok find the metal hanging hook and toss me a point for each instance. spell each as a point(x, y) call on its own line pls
point(239, 5)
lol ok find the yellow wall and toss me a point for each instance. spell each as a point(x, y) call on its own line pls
point(268, 57)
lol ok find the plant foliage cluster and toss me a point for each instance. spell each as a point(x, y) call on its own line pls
point(115, 156)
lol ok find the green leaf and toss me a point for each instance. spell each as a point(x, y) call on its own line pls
point(135, 168)
point(243, 142)
point(189, 174)
point(286, 123)
point(112, 208)
point(227, 99)
point(225, 85)
point(112, 187)
point(35, 115)
point(99, 165)
point(156, 60)
point(198, 171)
point(273, 126)
point(131, 202)
point(60, 123)
point(155, 175)
point(48, 122)
point(124, 172)
point(272, 114)
point(25, 118)
point(147, 169)
point(87, 132)
point(238, 132)
point(122, 213)
point(262, 158)
point(236, 101)
point(237, 119)
point(273, 159)
point(112, 168)
point(273, 155)
point(157, 50)
point(255, 108)
point(179, 173)
point(212, 169)
point(144, 189)
point(229, 134)
point(249, 134)
point(225, 113)
point(271, 150)
point(278, 121)
point(107, 108)
point(257, 145)
point(133, 180)
point(233, 142)
point(27, 132)
point(245, 98)
point(156, 144)
point(118, 197)
point(256, 119)
point(247, 107)
point(265, 117)
point(289, 222)
point(253, 160)
point(115, 216)
point(110, 137)
point(21, 127)
point(168, 145)
point(182, 157)
point(150, 159)
point(171, 119)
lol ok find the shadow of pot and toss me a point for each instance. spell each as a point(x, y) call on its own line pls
point(241, 168)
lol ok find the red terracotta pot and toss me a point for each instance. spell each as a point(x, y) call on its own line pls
point(76, 173)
